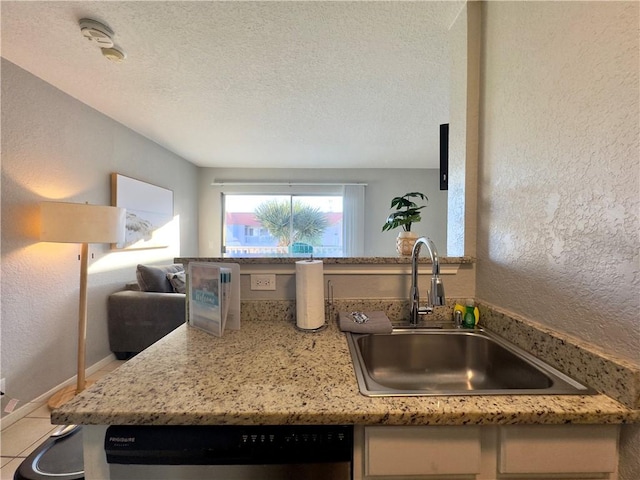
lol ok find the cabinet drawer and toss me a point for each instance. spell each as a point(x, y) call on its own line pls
point(558, 449)
point(422, 450)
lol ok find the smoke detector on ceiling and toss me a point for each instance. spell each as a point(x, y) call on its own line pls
point(113, 54)
point(96, 32)
point(100, 34)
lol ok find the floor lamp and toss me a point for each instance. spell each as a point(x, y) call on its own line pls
point(84, 224)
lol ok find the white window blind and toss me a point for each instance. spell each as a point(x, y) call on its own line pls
point(353, 224)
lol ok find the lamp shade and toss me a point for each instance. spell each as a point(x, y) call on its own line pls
point(81, 223)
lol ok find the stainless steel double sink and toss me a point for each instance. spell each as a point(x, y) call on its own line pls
point(420, 362)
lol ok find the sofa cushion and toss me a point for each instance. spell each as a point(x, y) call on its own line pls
point(135, 286)
point(154, 278)
point(138, 319)
point(178, 281)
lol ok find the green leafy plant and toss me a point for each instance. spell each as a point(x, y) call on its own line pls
point(407, 212)
point(308, 224)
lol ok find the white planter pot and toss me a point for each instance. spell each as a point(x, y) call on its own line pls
point(405, 242)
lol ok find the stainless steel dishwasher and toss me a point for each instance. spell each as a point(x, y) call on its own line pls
point(230, 452)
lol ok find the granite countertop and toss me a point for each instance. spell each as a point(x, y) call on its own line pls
point(270, 373)
point(397, 260)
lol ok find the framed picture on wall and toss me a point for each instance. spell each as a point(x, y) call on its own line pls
point(149, 212)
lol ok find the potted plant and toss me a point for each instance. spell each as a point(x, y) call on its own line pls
point(406, 213)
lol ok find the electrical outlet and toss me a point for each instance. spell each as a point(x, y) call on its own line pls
point(263, 282)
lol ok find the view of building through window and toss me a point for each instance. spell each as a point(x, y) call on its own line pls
point(282, 225)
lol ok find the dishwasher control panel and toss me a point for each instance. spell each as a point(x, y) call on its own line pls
point(228, 444)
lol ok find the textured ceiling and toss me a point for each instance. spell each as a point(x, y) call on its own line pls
point(254, 84)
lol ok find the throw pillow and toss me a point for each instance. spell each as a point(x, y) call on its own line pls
point(154, 278)
point(178, 282)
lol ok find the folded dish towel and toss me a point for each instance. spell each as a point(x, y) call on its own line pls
point(377, 322)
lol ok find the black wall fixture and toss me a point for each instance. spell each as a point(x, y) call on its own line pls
point(444, 156)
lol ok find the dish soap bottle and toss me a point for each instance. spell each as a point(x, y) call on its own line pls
point(469, 320)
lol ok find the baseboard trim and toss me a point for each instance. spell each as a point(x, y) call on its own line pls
point(41, 400)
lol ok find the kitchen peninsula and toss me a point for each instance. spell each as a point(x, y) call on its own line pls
point(270, 373)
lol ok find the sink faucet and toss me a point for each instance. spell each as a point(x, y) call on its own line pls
point(436, 294)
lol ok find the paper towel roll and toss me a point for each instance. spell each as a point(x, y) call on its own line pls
point(309, 294)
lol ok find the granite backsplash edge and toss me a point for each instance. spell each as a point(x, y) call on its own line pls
point(613, 376)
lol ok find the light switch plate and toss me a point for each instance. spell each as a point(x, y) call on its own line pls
point(263, 282)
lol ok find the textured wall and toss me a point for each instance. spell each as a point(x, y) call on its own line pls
point(464, 43)
point(559, 168)
point(457, 135)
point(559, 163)
point(54, 147)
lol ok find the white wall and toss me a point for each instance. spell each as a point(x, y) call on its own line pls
point(464, 44)
point(382, 186)
point(54, 147)
point(559, 173)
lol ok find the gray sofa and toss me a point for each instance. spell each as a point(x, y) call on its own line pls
point(146, 310)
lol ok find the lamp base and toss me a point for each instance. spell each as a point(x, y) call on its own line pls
point(64, 395)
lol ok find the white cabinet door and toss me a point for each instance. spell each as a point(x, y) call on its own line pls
point(404, 451)
point(558, 449)
point(522, 452)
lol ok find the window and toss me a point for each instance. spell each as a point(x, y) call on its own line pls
point(276, 225)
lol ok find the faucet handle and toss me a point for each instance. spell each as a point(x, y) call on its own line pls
point(436, 294)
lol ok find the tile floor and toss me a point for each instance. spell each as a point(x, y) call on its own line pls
point(17, 441)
